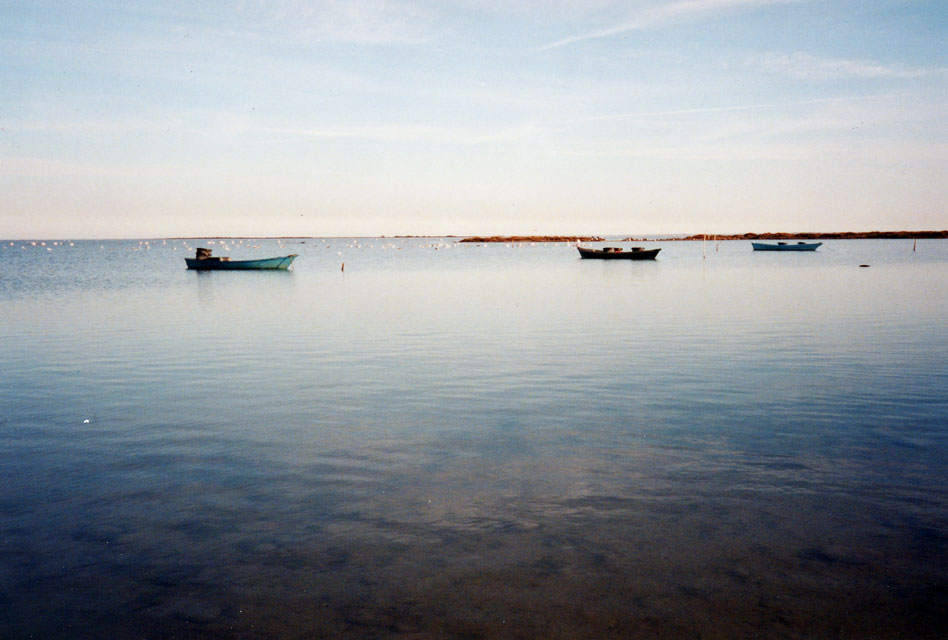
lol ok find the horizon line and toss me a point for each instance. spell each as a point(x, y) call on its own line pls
point(936, 233)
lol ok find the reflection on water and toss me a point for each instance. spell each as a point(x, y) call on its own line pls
point(473, 441)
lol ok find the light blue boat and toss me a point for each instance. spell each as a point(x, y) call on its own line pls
point(202, 261)
point(783, 246)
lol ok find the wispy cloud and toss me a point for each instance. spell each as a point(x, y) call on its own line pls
point(398, 132)
point(352, 21)
point(655, 15)
point(810, 67)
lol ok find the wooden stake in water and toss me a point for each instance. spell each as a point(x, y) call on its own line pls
point(914, 244)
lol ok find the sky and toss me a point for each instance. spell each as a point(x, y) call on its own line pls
point(140, 119)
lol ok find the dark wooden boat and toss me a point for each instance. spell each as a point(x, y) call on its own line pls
point(203, 261)
point(783, 246)
point(618, 253)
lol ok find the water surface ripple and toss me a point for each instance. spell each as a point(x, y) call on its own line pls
point(461, 440)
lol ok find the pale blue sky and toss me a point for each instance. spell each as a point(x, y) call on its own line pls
point(380, 117)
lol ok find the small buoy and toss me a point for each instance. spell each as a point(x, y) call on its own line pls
point(864, 265)
point(86, 421)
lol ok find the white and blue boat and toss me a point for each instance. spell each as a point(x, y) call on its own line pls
point(203, 261)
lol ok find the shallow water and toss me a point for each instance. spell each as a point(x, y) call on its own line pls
point(458, 440)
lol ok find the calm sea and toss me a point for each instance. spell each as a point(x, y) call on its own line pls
point(476, 441)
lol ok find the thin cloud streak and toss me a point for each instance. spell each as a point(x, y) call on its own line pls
point(209, 124)
point(846, 150)
point(731, 108)
point(412, 133)
point(38, 167)
point(809, 67)
point(657, 16)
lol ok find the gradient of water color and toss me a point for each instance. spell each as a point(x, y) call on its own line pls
point(457, 440)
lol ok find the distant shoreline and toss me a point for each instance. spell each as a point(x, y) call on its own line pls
point(777, 235)
point(825, 235)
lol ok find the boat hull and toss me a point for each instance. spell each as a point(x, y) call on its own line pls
point(800, 246)
point(281, 263)
point(597, 254)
